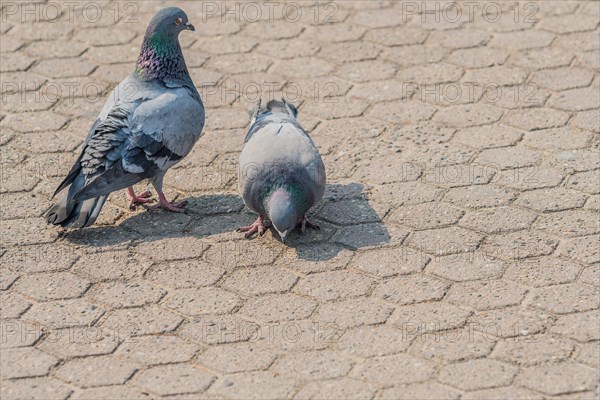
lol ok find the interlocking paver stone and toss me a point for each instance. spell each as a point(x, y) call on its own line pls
point(411, 289)
point(564, 299)
point(353, 312)
point(174, 379)
point(37, 388)
point(452, 346)
point(557, 379)
point(25, 362)
point(420, 391)
point(537, 349)
point(282, 307)
point(495, 220)
point(477, 374)
point(309, 365)
point(370, 341)
point(52, 286)
point(253, 385)
point(96, 371)
point(341, 388)
point(427, 317)
point(459, 235)
point(151, 350)
point(127, 294)
point(503, 392)
point(486, 295)
point(334, 285)
point(555, 199)
point(236, 357)
point(382, 370)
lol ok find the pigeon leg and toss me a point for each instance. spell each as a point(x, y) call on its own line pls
point(259, 226)
point(141, 198)
point(307, 224)
point(178, 207)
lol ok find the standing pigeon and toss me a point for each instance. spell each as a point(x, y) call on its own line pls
point(149, 123)
point(281, 174)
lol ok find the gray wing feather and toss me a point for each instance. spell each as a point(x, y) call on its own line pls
point(276, 144)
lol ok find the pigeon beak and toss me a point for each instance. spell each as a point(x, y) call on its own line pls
point(190, 27)
point(283, 235)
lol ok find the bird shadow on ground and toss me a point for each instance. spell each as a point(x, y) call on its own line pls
point(346, 221)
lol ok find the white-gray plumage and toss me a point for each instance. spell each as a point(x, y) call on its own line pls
point(281, 174)
point(150, 121)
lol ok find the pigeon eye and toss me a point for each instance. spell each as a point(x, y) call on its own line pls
point(178, 21)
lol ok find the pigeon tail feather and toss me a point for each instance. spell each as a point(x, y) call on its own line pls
point(71, 214)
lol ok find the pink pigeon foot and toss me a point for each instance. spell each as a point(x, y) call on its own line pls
point(135, 200)
point(307, 224)
point(163, 203)
point(259, 226)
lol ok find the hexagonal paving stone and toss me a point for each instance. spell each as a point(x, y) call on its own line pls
point(141, 321)
point(388, 262)
point(543, 271)
point(420, 391)
point(260, 280)
point(80, 342)
point(369, 341)
point(353, 312)
point(569, 223)
point(382, 370)
point(416, 319)
point(411, 289)
point(486, 295)
point(468, 115)
point(510, 322)
point(340, 388)
point(333, 285)
point(35, 388)
point(53, 286)
point(477, 374)
point(314, 364)
point(466, 267)
point(444, 241)
point(564, 299)
point(253, 385)
point(497, 220)
point(426, 216)
point(152, 350)
point(127, 294)
point(537, 349)
point(64, 313)
point(236, 357)
point(174, 379)
point(278, 307)
point(557, 379)
point(192, 302)
point(451, 346)
point(26, 362)
point(554, 199)
point(96, 371)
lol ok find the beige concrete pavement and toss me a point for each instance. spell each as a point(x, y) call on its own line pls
point(459, 250)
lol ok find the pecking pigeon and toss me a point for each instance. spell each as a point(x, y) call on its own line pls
point(148, 124)
point(281, 174)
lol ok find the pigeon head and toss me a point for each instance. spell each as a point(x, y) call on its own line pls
point(169, 22)
point(273, 107)
point(282, 212)
point(161, 56)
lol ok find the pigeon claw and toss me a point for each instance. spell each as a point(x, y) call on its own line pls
point(163, 203)
point(259, 226)
point(136, 200)
point(307, 224)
